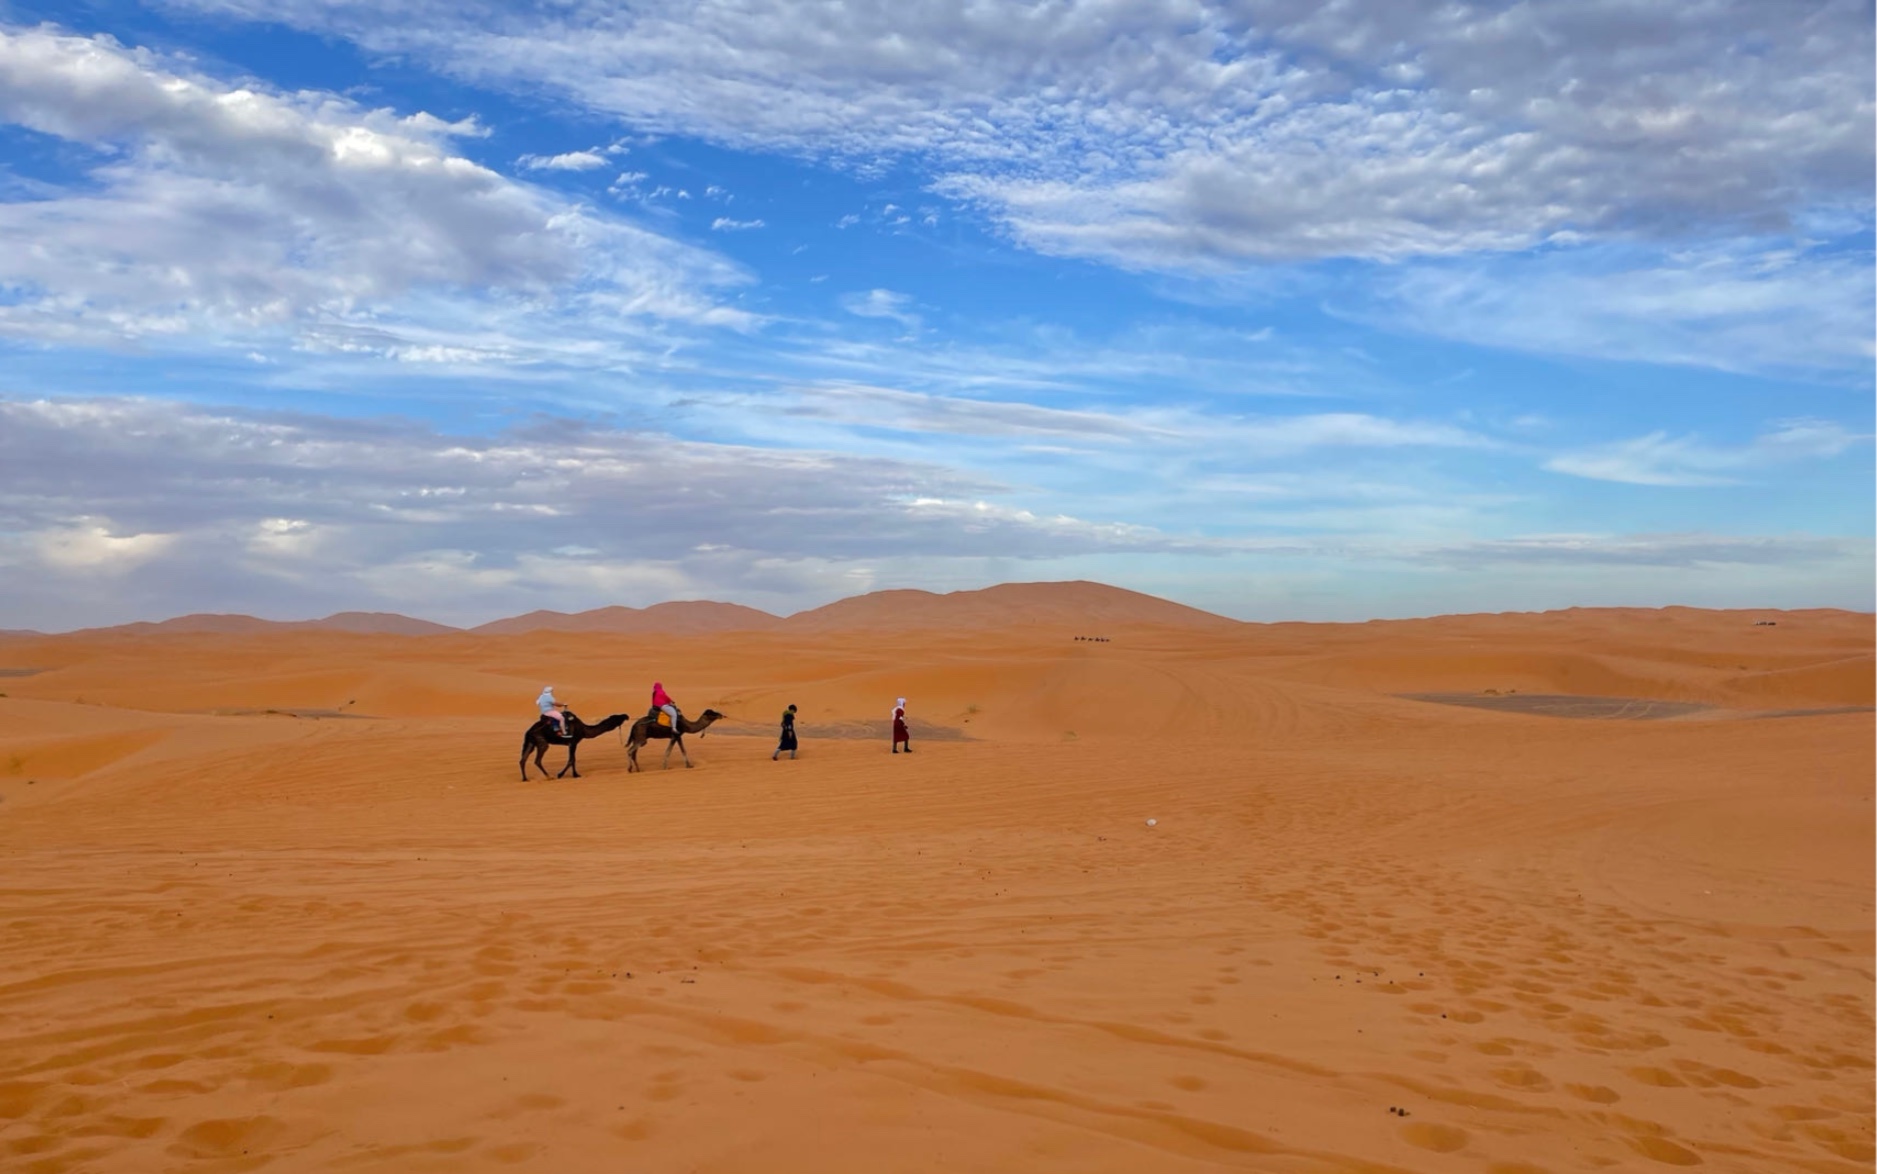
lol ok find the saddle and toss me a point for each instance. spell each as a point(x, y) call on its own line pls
point(659, 717)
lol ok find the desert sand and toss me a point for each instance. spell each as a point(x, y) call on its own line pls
point(276, 898)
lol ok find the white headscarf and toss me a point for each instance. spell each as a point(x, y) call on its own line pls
point(900, 706)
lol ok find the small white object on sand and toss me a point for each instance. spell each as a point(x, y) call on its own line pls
point(1152, 822)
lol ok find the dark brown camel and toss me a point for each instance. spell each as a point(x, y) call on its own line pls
point(647, 728)
point(543, 734)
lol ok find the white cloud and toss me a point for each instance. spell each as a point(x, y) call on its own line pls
point(1740, 306)
point(882, 303)
point(1206, 132)
point(1672, 165)
point(1659, 459)
point(215, 211)
point(290, 537)
point(571, 161)
point(89, 547)
point(1353, 430)
point(208, 504)
point(1654, 550)
point(725, 224)
point(115, 509)
point(883, 407)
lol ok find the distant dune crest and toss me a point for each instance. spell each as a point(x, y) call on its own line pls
point(1079, 607)
point(1072, 604)
point(688, 618)
point(374, 623)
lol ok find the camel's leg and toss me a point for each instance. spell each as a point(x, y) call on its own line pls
point(667, 763)
point(571, 766)
point(632, 757)
point(685, 753)
point(524, 759)
point(540, 759)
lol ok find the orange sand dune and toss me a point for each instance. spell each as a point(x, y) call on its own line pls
point(369, 622)
point(343, 934)
point(1079, 605)
point(684, 619)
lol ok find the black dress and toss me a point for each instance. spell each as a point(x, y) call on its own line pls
point(788, 733)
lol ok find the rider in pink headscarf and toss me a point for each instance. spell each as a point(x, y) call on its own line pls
point(661, 700)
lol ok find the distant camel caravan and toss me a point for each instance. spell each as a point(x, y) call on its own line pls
point(543, 734)
point(647, 728)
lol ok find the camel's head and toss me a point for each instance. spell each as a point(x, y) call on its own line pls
point(705, 718)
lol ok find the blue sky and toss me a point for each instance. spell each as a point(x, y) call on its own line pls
point(1284, 310)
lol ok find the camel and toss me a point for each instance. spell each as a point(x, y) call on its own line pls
point(542, 734)
point(647, 728)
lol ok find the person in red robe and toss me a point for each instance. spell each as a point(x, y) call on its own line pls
point(899, 727)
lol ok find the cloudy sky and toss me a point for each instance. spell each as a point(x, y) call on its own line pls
point(1281, 308)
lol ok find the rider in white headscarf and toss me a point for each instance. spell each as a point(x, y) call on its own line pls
point(899, 727)
point(552, 708)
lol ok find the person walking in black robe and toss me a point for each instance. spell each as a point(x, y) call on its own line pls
point(788, 735)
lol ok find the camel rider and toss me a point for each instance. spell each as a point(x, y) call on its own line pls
point(661, 702)
point(552, 708)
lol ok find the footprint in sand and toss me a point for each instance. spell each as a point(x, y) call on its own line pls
point(38, 1143)
point(281, 1076)
point(1442, 1139)
point(1803, 1112)
point(1661, 1149)
point(1521, 1077)
point(637, 1129)
point(461, 1035)
point(1732, 1079)
point(227, 1137)
point(18, 1096)
point(166, 1088)
point(369, 1046)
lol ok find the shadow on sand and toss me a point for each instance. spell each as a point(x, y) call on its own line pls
point(1611, 708)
